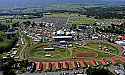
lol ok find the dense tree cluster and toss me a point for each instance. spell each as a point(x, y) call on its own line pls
point(3, 27)
point(94, 71)
point(111, 29)
point(106, 12)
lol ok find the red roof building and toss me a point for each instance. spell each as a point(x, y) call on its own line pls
point(73, 64)
point(70, 65)
point(113, 60)
point(82, 63)
point(93, 62)
point(59, 65)
point(47, 66)
point(121, 37)
point(50, 66)
point(103, 62)
point(67, 64)
point(41, 66)
point(77, 64)
point(122, 59)
point(64, 65)
point(54, 66)
point(44, 66)
point(37, 66)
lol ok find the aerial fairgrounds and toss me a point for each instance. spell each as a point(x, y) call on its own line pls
point(50, 47)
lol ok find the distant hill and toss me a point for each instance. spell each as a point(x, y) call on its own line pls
point(42, 3)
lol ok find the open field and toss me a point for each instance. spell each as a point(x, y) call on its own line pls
point(83, 20)
point(58, 54)
point(88, 52)
point(103, 46)
point(57, 15)
point(67, 6)
point(5, 43)
point(91, 53)
point(73, 18)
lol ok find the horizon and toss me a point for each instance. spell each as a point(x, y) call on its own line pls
point(42, 3)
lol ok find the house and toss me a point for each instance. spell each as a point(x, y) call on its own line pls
point(56, 66)
point(62, 38)
point(67, 64)
point(77, 64)
point(49, 49)
point(73, 64)
point(47, 67)
point(64, 65)
point(122, 59)
point(44, 66)
point(83, 64)
point(50, 66)
point(122, 43)
point(113, 60)
point(37, 66)
point(61, 65)
point(70, 64)
point(41, 67)
point(104, 62)
point(93, 62)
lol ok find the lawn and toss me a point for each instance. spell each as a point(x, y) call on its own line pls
point(6, 43)
point(90, 51)
point(58, 54)
point(96, 46)
point(100, 54)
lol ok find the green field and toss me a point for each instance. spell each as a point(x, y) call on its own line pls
point(62, 54)
point(113, 49)
point(75, 18)
point(66, 6)
point(61, 15)
point(58, 54)
point(84, 20)
point(6, 44)
point(100, 54)
point(92, 48)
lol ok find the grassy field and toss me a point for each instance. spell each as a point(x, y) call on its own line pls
point(58, 54)
point(113, 49)
point(100, 54)
point(64, 6)
point(83, 20)
point(6, 43)
point(61, 15)
point(74, 18)
point(90, 51)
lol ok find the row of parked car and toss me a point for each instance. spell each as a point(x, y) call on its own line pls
point(11, 54)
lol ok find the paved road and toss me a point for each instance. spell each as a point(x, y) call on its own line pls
point(21, 55)
point(71, 72)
